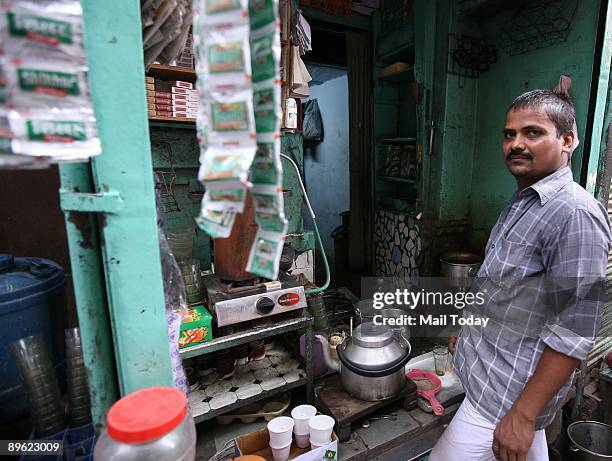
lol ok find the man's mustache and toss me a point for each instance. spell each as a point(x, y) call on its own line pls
point(517, 154)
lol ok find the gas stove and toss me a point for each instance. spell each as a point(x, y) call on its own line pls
point(236, 302)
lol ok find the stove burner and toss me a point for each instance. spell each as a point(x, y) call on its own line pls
point(234, 302)
point(241, 286)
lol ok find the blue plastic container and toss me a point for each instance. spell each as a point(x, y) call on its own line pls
point(32, 300)
point(78, 444)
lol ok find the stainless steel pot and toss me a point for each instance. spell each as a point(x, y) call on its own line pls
point(590, 441)
point(372, 362)
point(459, 268)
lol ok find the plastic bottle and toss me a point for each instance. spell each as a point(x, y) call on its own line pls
point(148, 425)
point(292, 114)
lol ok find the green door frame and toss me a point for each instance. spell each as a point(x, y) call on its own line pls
point(597, 181)
point(123, 196)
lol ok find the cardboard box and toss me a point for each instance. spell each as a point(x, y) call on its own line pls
point(181, 90)
point(166, 107)
point(182, 84)
point(256, 443)
point(184, 98)
point(163, 113)
point(151, 113)
point(150, 86)
point(184, 105)
point(163, 95)
point(196, 327)
point(149, 79)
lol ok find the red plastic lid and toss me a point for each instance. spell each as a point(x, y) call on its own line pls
point(146, 415)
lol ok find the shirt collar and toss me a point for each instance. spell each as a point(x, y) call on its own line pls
point(549, 186)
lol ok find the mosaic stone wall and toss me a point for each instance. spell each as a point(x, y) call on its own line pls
point(397, 244)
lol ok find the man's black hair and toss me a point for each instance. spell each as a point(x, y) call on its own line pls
point(558, 107)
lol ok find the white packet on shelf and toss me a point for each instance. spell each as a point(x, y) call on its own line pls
point(62, 133)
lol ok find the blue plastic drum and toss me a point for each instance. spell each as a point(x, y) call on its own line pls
point(32, 300)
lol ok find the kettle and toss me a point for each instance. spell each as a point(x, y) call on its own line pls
point(371, 362)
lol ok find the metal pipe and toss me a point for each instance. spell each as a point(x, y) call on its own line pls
point(316, 230)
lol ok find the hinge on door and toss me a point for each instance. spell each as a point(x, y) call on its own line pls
point(101, 202)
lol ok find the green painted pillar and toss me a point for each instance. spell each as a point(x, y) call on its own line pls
point(90, 295)
point(123, 179)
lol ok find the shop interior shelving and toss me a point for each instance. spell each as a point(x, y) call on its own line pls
point(279, 327)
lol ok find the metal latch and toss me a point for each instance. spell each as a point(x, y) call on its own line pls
point(99, 202)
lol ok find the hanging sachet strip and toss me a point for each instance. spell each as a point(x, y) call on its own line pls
point(225, 122)
point(266, 170)
point(46, 106)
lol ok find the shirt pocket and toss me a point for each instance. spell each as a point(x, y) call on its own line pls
point(508, 261)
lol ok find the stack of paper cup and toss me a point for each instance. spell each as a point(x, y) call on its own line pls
point(301, 415)
point(321, 427)
point(280, 430)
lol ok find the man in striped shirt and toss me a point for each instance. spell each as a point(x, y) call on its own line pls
point(542, 277)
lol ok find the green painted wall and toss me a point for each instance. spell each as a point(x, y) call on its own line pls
point(492, 185)
point(176, 149)
point(465, 177)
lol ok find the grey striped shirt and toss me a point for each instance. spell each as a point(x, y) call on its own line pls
point(543, 278)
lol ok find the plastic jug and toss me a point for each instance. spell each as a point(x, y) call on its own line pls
point(148, 425)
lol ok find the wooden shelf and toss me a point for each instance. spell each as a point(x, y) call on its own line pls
point(396, 179)
point(397, 141)
point(397, 51)
point(199, 417)
point(248, 335)
point(181, 120)
point(404, 75)
point(163, 72)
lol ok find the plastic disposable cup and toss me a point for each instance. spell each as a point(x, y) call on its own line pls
point(321, 427)
point(301, 414)
point(77, 391)
point(76, 372)
point(43, 400)
point(440, 355)
point(280, 430)
point(43, 389)
point(82, 400)
point(281, 453)
point(181, 242)
point(314, 446)
point(302, 440)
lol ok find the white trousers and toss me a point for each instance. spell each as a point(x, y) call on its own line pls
point(469, 437)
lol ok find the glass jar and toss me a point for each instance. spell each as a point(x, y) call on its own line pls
point(148, 425)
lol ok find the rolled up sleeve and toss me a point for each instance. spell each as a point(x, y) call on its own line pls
point(575, 283)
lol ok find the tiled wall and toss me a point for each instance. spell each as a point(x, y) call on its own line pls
point(397, 244)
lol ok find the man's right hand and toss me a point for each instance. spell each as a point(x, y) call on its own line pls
point(452, 342)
